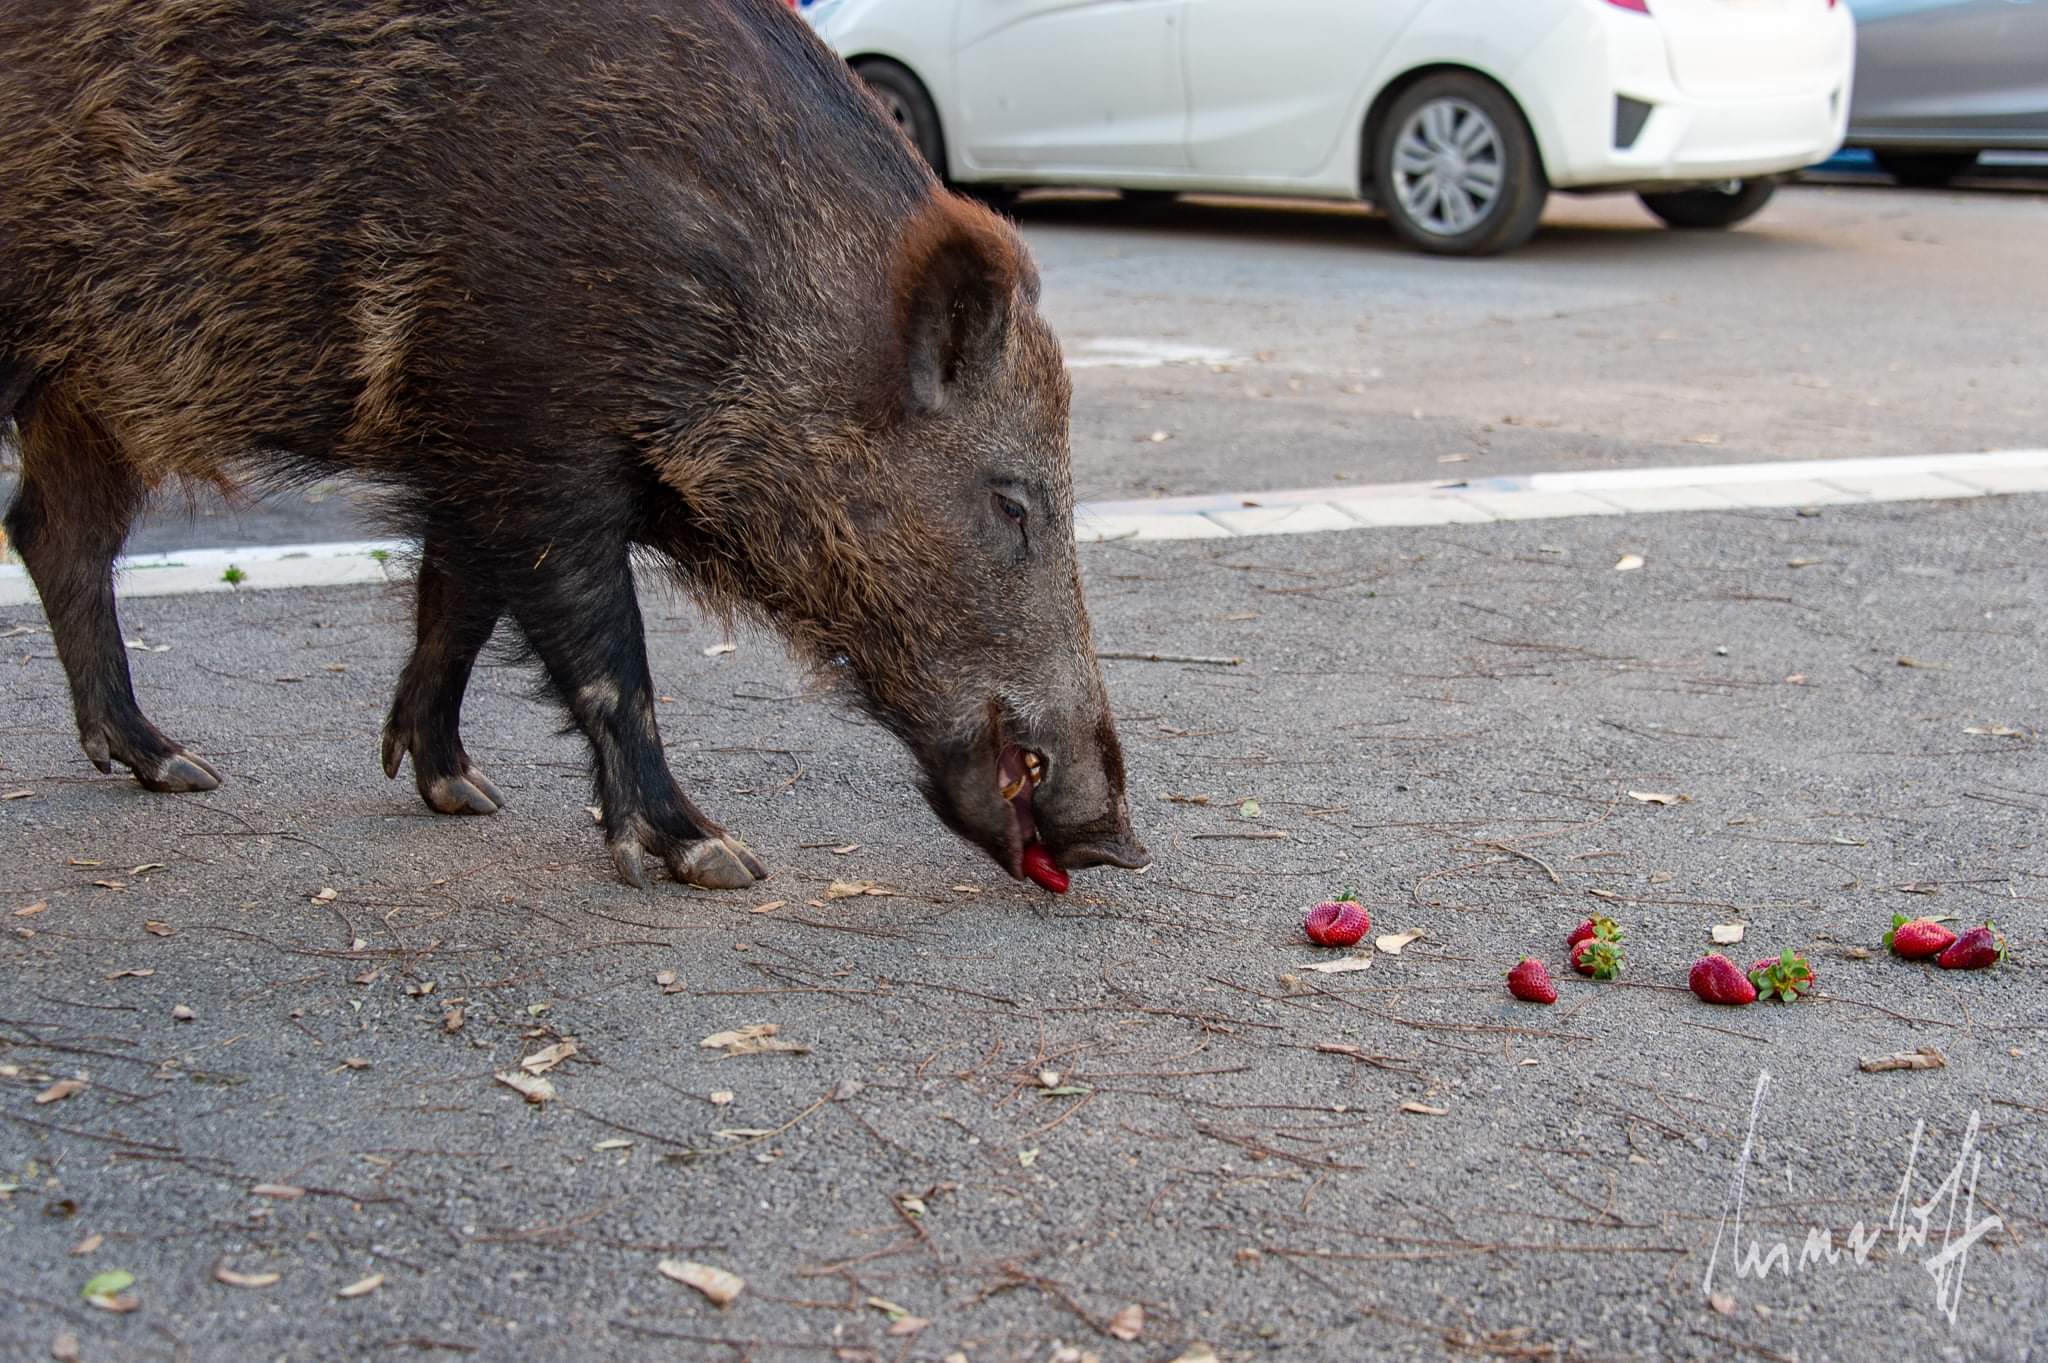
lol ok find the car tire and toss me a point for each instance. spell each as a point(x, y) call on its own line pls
point(1455, 169)
point(1146, 205)
point(904, 101)
point(1925, 169)
point(1713, 206)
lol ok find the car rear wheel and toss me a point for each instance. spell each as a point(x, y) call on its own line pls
point(1925, 169)
point(1712, 206)
point(1455, 169)
point(903, 99)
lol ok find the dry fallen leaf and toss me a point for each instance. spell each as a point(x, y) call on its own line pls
point(1197, 1353)
point(1128, 1323)
point(1394, 941)
point(326, 894)
point(362, 1287)
point(908, 1325)
point(719, 650)
point(1723, 1302)
point(63, 1088)
point(1923, 664)
point(64, 1348)
point(847, 889)
point(1340, 967)
point(32, 910)
point(664, 978)
point(16, 794)
point(615, 1143)
point(284, 1192)
point(721, 1097)
point(1425, 1110)
point(541, 1061)
point(120, 1303)
point(1725, 934)
point(89, 1244)
point(1652, 797)
point(1628, 563)
point(750, 1032)
point(719, 1286)
point(223, 1274)
point(180, 1013)
point(1926, 1058)
point(1995, 731)
point(770, 907)
point(535, 1090)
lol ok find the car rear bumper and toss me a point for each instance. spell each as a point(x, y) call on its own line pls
point(1725, 139)
point(1687, 136)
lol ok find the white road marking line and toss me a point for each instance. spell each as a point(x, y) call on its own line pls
point(1138, 352)
point(1613, 492)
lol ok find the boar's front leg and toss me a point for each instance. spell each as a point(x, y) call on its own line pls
point(578, 608)
point(70, 514)
point(457, 613)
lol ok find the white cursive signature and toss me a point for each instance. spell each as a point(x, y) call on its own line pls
point(1945, 1266)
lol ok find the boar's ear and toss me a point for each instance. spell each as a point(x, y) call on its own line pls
point(956, 278)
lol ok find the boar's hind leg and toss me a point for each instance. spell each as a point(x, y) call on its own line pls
point(578, 609)
point(456, 617)
point(70, 515)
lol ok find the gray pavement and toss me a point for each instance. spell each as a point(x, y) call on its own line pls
point(1277, 1164)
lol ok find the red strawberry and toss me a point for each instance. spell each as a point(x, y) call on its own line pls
point(1917, 937)
point(1599, 925)
point(1039, 865)
point(1530, 982)
point(1783, 979)
point(1974, 950)
point(1598, 957)
point(1336, 922)
point(1717, 979)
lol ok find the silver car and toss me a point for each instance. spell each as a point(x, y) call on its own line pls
point(1939, 81)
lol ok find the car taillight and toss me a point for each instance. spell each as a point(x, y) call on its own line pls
point(1642, 6)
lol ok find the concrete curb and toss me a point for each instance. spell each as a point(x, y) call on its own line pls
point(1540, 496)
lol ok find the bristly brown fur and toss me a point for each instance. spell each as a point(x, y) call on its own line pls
point(566, 280)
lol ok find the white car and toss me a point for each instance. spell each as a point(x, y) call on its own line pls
point(1455, 116)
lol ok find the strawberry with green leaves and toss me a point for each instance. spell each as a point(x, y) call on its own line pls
point(1917, 938)
point(1783, 979)
point(1599, 957)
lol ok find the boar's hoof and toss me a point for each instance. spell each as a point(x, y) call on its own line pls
point(470, 792)
point(176, 772)
point(714, 863)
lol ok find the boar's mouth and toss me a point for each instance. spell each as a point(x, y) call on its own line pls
point(1019, 772)
point(984, 786)
point(987, 786)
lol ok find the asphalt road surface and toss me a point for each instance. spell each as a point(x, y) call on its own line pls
point(1019, 1129)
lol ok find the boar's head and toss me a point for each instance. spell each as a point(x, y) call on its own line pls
point(926, 560)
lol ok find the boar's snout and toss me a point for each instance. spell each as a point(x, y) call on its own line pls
point(1011, 784)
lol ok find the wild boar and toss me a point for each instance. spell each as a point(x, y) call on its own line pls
point(572, 282)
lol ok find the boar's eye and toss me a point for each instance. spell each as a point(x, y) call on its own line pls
point(1012, 509)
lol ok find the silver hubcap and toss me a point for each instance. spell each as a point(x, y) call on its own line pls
point(1448, 167)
